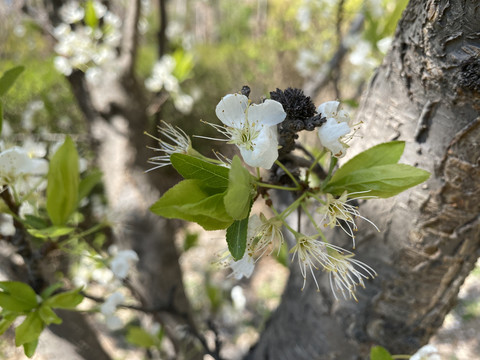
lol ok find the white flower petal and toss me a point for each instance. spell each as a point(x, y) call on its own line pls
point(243, 267)
point(231, 110)
point(329, 109)
point(268, 113)
point(330, 134)
point(265, 151)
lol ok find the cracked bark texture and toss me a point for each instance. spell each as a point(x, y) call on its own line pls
point(427, 94)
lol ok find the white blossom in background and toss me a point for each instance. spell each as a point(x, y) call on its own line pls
point(304, 17)
point(253, 128)
point(384, 44)
point(71, 12)
point(333, 132)
point(81, 47)
point(6, 225)
point(427, 352)
point(183, 103)
point(122, 261)
point(16, 163)
point(238, 298)
point(29, 114)
point(162, 76)
point(108, 309)
point(306, 62)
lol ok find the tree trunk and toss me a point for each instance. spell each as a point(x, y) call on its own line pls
point(427, 94)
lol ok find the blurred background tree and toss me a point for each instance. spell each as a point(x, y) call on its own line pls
point(173, 61)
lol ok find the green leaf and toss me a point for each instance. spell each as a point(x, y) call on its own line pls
point(379, 353)
point(63, 179)
point(382, 154)
point(66, 300)
point(190, 167)
point(88, 183)
point(383, 181)
point(17, 296)
point(139, 337)
point(50, 232)
point(35, 222)
point(8, 78)
point(240, 190)
point(183, 64)
point(49, 290)
point(237, 238)
point(90, 16)
point(30, 347)
point(48, 316)
point(30, 329)
point(190, 200)
point(6, 321)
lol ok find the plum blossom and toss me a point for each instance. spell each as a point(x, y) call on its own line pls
point(16, 163)
point(108, 309)
point(179, 142)
point(252, 127)
point(340, 213)
point(122, 261)
point(332, 133)
point(427, 352)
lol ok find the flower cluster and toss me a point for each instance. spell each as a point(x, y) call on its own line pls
point(88, 47)
point(223, 198)
point(163, 78)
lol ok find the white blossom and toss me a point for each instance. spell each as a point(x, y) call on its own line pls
point(122, 261)
point(183, 103)
point(340, 213)
point(243, 267)
point(71, 12)
point(6, 225)
point(178, 142)
point(251, 127)
point(16, 163)
point(332, 133)
point(162, 76)
point(108, 309)
point(427, 352)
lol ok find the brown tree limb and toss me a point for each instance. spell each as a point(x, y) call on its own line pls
point(129, 43)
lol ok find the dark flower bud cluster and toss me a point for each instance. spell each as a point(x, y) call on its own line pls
point(301, 115)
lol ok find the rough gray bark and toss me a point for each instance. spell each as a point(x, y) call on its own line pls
point(427, 94)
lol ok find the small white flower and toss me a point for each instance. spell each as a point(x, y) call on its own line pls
point(108, 309)
point(333, 131)
point(311, 253)
point(346, 273)
point(71, 12)
point(179, 143)
point(340, 213)
point(427, 352)
point(183, 103)
point(243, 267)
point(122, 262)
point(238, 298)
point(16, 163)
point(251, 127)
point(6, 225)
point(62, 65)
point(162, 76)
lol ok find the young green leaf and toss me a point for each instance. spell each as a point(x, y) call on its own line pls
point(8, 78)
point(381, 154)
point(7, 320)
point(30, 329)
point(237, 238)
point(91, 18)
point(88, 183)
point(240, 190)
point(379, 353)
point(50, 290)
point(66, 300)
point(382, 181)
point(50, 232)
point(17, 296)
point(30, 347)
point(63, 179)
point(190, 167)
point(35, 222)
point(139, 337)
point(190, 200)
point(48, 316)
